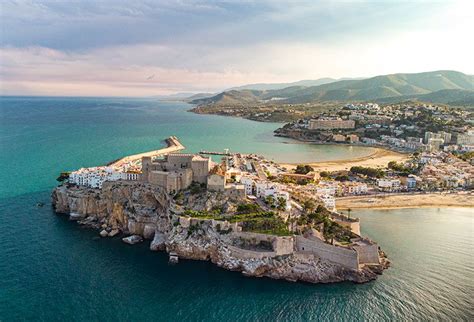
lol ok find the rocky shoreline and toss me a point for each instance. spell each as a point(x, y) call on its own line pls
point(137, 209)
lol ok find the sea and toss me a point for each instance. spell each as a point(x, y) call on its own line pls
point(53, 269)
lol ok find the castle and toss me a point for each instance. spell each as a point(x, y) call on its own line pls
point(176, 171)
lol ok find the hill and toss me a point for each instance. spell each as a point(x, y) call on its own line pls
point(457, 87)
point(273, 86)
point(455, 97)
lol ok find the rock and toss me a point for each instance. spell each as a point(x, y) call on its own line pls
point(173, 259)
point(113, 232)
point(149, 231)
point(132, 240)
point(75, 216)
point(158, 242)
point(139, 209)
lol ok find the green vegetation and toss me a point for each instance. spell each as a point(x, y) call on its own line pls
point(466, 156)
point(446, 87)
point(203, 214)
point(179, 198)
point(369, 172)
point(264, 223)
point(324, 174)
point(63, 176)
point(251, 217)
point(196, 188)
point(247, 208)
point(303, 169)
point(331, 229)
point(192, 229)
point(308, 205)
point(403, 170)
point(342, 177)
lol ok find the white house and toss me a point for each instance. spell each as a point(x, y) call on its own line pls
point(94, 177)
point(249, 184)
point(329, 202)
point(388, 184)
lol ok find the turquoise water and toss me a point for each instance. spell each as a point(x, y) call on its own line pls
point(39, 137)
point(52, 269)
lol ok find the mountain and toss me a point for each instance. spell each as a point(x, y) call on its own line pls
point(272, 86)
point(394, 86)
point(183, 96)
point(174, 97)
point(456, 97)
point(199, 95)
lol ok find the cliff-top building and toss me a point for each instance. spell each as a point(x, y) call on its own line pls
point(176, 171)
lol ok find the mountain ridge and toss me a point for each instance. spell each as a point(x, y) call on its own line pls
point(390, 87)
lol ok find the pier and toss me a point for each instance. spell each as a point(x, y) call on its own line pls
point(229, 154)
point(173, 145)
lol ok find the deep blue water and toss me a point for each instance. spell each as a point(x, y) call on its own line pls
point(52, 269)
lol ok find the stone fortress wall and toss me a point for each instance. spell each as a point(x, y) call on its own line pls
point(363, 251)
point(340, 255)
point(281, 245)
point(368, 251)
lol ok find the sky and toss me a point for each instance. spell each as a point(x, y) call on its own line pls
point(145, 48)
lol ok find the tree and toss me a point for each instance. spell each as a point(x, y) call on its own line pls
point(324, 174)
point(303, 169)
point(342, 177)
point(270, 201)
point(308, 205)
point(281, 203)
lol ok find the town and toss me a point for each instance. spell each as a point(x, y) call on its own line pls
point(400, 127)
point(267, 208)
point(257, 207)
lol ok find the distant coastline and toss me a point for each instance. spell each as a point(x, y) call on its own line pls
point(407, 200)
point(379, 158)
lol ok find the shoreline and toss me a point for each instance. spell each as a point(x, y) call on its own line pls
point(406, 201)
point(379, 158)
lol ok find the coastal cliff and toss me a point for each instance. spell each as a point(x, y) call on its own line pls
point(133, 208)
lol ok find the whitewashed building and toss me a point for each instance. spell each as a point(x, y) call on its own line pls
point(94, 177)
point(329, 202)
point(388, 184)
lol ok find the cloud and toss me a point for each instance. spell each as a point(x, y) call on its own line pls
point(115, 47)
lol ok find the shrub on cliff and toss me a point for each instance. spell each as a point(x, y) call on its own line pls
point(303, 169)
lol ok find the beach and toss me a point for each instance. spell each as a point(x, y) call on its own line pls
point(380, 158)
point(392, 201)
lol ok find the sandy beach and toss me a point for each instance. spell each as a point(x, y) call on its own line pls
point(406, 201)
point(380, 158)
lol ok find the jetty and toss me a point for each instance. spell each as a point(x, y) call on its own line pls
point(225, 153)
point(173, 145)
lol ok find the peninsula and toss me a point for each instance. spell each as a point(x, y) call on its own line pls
point(243, 213)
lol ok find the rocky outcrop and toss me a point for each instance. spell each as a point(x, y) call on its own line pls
point(207, 244)
point(129, 207)
point(146, 211)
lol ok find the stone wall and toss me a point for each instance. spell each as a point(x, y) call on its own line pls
point(235, 191)
point(281, 245)
point(339, 255)
point(368, 252)
point(215, 182)
point(185, 222)
point(240, 253)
